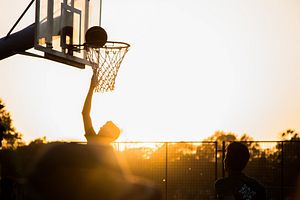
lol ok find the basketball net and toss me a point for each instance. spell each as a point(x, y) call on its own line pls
point(105, 62)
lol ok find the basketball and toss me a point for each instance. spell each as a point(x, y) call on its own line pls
point(95, 37)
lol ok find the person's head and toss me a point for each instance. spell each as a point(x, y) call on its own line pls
point(109, 132)
point(237, 157)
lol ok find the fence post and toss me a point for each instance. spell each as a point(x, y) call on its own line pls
point(223, 156)
point(166, 172)
point(282, 172)
point(216, 161)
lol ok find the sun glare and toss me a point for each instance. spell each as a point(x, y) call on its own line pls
point(145, 146)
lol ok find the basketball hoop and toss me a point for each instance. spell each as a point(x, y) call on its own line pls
point(105, 62)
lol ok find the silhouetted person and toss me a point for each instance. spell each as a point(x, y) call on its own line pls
point(237, 185)
point(69, 171)
point(107, 133)
point(92, 171)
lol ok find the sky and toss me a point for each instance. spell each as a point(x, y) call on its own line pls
point(194, 67)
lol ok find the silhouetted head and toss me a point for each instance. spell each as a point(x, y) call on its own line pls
point(109, 132)
point(237, 157)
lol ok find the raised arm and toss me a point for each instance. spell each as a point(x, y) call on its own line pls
point(87, 121)
point(108, 133)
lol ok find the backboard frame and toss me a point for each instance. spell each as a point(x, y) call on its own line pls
point(62, 56)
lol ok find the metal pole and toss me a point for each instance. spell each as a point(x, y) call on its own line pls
point(282, 172)
point(14, 26)
point(216, 161)
point(100, 13)
point(223, 156)
point(49, 35)
point(166, 172)
point(17, 42)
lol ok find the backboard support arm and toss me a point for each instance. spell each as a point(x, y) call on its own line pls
point(100, 13)
point(22, 15)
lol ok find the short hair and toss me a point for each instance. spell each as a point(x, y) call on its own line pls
point(237, 156)
point(109, 131)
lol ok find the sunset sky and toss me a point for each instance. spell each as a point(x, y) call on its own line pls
point(194, 67)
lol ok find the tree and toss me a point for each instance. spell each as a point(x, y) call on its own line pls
point(9, 136)
point(38, 141)
point(290, 156)
point(290, 135)
point(221, 136)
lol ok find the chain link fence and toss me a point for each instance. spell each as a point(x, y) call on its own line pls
point(188, 170)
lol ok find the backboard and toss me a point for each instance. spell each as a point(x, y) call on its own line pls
point(60, 24)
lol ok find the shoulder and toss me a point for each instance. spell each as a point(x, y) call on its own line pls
point(221, 182)
point(223, 188)
point(221, 185)
point(240, 187)
point(255, 186)
point(254, 182)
